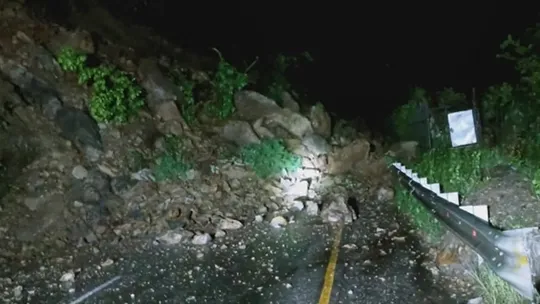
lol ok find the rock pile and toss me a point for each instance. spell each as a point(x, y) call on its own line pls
point(65, 179)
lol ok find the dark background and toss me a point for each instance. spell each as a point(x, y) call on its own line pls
point(367, 55)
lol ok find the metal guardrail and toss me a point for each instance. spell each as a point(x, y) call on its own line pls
point(512, 254)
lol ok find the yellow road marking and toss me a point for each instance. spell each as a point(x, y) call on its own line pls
point(331, 268)
point(522, 260)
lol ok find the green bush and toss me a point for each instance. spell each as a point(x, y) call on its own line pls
point(510, 110)
point(449, 98)
point(171, 164)
point(188, 108)
point(405, 114)
point(116, 97)
point(227, 81)
point(495, 290)
point(269, 158)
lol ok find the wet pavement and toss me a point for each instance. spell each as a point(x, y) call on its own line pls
point(258, 264)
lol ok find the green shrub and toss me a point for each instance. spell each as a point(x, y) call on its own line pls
point(116, 97)
point(495, 290)
point(405, 114)
point(449, 98)
point(188, 108)
point(227, 81)
point(269, 158)
point(171, 164)
point(279, 82)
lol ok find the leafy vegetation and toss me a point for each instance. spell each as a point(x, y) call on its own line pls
point(186, 104)
point(171, 163)
point(227, 81)
point(495, 290)
point(270, 157)
point(511, 135)
point(403, 116)
point(116, 97)
point(188, 108)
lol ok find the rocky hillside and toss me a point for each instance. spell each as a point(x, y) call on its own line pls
point(103, 142)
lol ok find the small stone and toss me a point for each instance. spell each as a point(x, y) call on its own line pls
point(273, 206)
point(230, 224)
point(17, 291)
point(297, 206)
point(68, 277)
point(201, 239)
point(478, 300)
point(100, 229)
point(107, 262)
point(299, 189)
point(219, 233)
point(92, 154)
point(79, 172)
point(385, 194)
point(262, 210)
point(168, 111)
point(312, 208)
point(91, 238)
point(434, 271)
point(33, 203)
point(350, 246)
point(171, 238)
point(278, 222)
point(398, 239)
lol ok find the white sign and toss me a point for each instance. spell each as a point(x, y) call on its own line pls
point(462, 128)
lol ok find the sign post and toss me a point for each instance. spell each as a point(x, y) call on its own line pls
point(462, 126)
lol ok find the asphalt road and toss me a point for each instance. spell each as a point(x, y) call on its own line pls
point(377, 263)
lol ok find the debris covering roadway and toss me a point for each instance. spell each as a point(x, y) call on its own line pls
point(284, 268)
point(377, 263)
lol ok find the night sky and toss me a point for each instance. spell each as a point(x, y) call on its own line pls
point(368, 58)
point(367, 55)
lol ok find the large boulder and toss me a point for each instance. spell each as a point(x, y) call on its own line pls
point(344, 159)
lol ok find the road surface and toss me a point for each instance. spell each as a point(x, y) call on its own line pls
point(377, 263)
